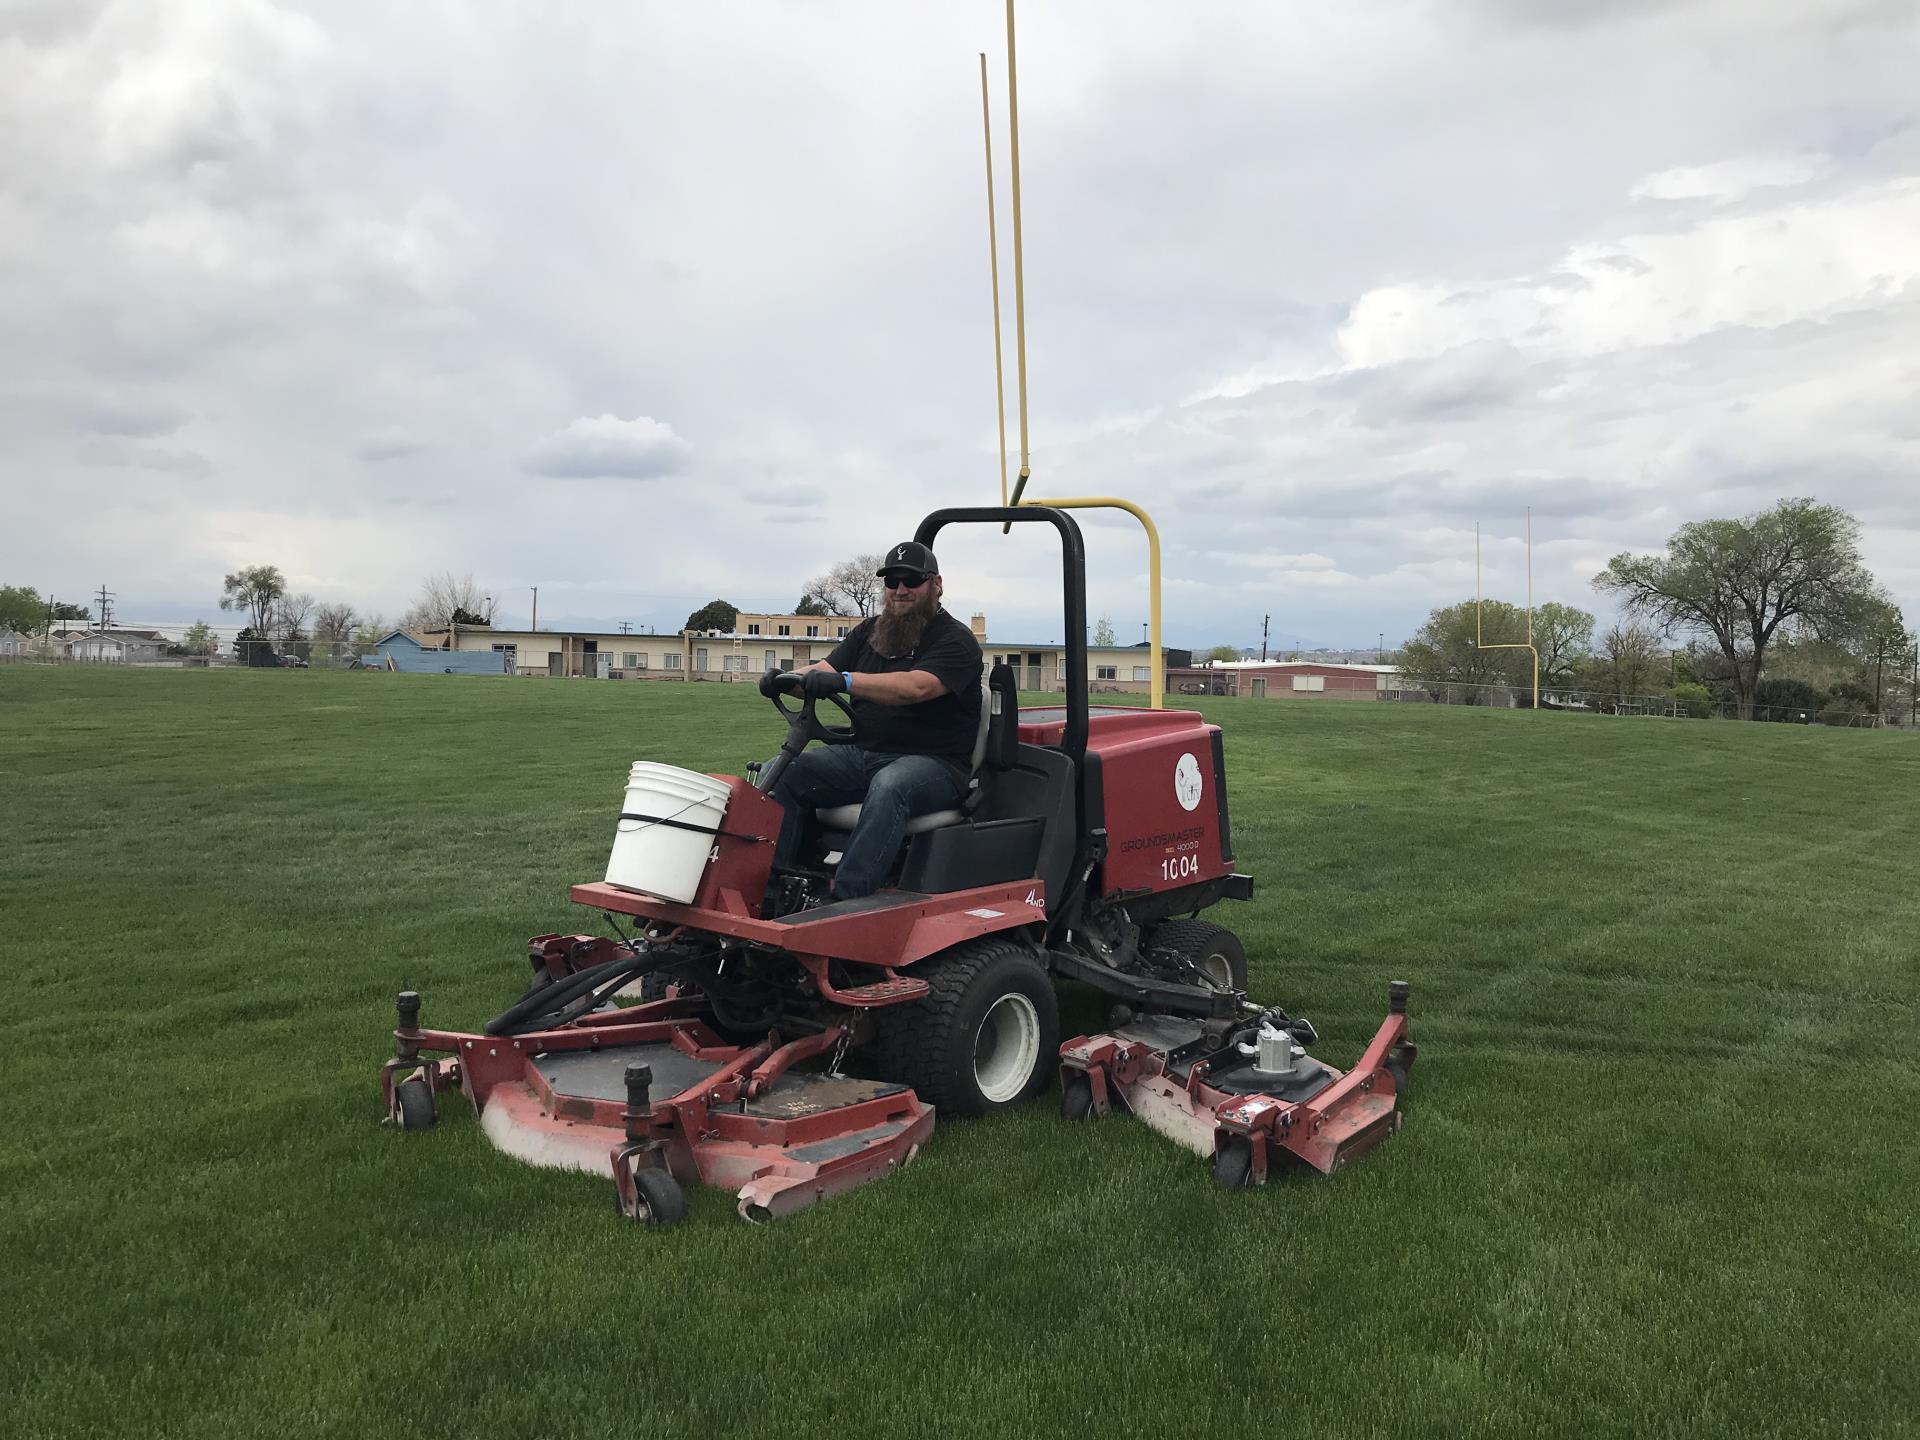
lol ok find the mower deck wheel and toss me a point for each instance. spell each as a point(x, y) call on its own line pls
point(662, 1201)
point(1076, 1101)
point(988, 1035)
point(1213, 949)
point(1233, 1164)
point(1401, 1069)
point(415, 1098)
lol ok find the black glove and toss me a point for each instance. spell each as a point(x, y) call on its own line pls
point(818, 684)
point(770, 684)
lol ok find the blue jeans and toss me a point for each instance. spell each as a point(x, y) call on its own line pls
point(890, 790)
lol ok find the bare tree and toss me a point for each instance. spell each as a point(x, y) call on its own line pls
point(445, 599)
point(290, 616)
point(852, 587)
point(333, 627)
point(333, 622)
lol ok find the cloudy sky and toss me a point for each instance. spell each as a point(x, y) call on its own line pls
point(643, 304)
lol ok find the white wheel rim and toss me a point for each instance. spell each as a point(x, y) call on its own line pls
point(1006, 1048)
point(1218, 971)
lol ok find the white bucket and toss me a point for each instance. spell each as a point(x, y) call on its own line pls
point(665, 861)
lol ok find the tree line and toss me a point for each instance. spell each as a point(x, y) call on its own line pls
point(1775, 609)
point(294, 623)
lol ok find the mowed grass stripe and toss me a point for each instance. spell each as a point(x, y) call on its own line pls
point(1655, 1177)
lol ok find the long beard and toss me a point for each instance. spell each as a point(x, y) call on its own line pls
point(899, 634)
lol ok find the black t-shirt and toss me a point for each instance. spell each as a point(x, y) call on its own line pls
point(945, 725)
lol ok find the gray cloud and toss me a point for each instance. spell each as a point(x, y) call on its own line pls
point(1336, 292)
point(109, 416)
point(389, 442)
point(606, 446)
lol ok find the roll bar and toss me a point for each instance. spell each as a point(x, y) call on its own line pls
point(1073, 565)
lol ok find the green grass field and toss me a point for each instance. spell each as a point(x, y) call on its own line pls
point(1658, 1174)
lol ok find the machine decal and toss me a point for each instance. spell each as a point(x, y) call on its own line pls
point(1186, 782)
point(985, 914)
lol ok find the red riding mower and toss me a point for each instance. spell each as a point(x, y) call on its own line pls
point(1085, 845)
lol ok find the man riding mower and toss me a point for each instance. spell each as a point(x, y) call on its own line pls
point(1079, 845)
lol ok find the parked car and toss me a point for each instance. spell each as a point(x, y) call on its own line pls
point(293, 661)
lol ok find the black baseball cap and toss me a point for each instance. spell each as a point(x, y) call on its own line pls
point(909, 555)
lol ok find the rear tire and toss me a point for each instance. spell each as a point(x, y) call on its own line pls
point(1213, 949)
point(986, 1038)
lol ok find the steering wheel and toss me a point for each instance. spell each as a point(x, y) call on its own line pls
point(802, 715)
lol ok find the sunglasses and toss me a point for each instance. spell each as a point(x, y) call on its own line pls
point(898, 581)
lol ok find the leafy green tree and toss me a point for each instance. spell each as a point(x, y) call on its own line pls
point(22, 609)
point(1223, 652)
point(255, 590)
point(1793, 569)
point(254, 648)
point(1103, 631)
point(199, 639)
point(1563, 635)
point(1693, 699)
point(714, 615)
point(1785, 699)
point(812, 604)
point(1628, 653)
point(1448, 649)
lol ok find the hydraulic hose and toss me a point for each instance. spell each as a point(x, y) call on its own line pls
point(566, 1000)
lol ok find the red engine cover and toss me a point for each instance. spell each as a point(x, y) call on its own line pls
point(1163, 794)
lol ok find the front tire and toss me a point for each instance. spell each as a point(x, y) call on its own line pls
point(662, 1201)
point(986, 1038)
point(415, 1099)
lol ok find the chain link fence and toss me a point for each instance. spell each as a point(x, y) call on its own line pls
point(1896, 709)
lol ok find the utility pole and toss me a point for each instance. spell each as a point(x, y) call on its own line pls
point(536, 608)
point(625, 628)
point(106, 606)
point(1265, 620)
point(1380, 648)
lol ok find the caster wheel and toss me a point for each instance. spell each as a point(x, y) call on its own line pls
point(1076, 1101)
point(1401, 1069)
point(415, 1098)
point(662, 1201)
point(1233, 1165)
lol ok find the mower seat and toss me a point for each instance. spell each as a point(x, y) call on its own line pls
point(985, 745)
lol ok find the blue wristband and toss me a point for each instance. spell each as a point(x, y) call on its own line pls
point(846, 677)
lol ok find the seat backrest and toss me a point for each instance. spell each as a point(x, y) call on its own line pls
point(1001, 708)
point(981, 735)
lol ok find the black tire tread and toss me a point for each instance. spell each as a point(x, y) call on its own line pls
point(1193, 938)
point(666, 1201)
point(910, 1046)
point(415, 1101)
